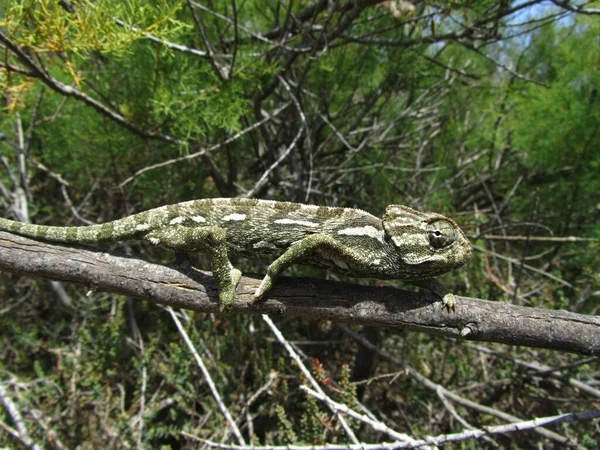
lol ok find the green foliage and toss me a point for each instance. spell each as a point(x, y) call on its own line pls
point(396, 111)
point(311, 422)
point(347, 389)
point(46, 26)
point(206, 104)
point(286, 432)
point(554, 125)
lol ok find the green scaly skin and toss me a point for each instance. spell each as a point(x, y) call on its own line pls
point(405, 244)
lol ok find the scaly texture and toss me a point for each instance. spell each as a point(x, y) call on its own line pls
point(406, 244)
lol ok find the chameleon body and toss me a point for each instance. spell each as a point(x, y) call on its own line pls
point(405, 244)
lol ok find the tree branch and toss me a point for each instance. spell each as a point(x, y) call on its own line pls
point(476, 319)
point(68, 91)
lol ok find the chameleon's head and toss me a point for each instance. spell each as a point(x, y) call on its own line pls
point(429, 244)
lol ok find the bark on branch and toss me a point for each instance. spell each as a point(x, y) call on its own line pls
point(476, 319)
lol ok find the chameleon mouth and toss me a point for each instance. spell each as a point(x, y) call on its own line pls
point(425, 271)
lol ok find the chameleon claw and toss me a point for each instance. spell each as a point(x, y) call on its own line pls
point(226, 298)
point(449, 302)
point(227, 293)
point(235, 275)
point(264, 286)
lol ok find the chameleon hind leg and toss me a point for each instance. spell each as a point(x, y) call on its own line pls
point(316, 242)
point(203, 239)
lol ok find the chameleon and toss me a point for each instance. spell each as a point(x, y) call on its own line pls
point(405, 244)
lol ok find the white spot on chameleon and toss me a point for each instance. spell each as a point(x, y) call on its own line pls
point(309, 207)
point(234, 217)
point(154, 241)
point(176, 220)
point(377, 261)
point(306, 223)
point(369, 231)
point(142, 227)
point(198, 219)
point(264, 244)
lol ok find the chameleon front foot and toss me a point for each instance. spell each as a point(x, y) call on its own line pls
point(227, 291)
point(449, 302)
point(263, 287)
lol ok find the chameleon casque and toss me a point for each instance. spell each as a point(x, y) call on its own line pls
point(406, 244)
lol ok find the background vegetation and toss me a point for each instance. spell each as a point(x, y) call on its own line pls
point(485, 111)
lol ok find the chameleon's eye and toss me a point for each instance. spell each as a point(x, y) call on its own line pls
point(441, 233)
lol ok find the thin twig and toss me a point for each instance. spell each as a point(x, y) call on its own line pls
point(577, 9)
point(447, 393)
point(503, 66)
point(526, 266)
point(376, 425)
point(51, 436)
point(235, 39)
point(139, 341)
point(208, 149)
point(246, 30)
point(15, 415)
point(437, 440)
point(543, 369)
point(452, 410)
point(208, 378)
point(263, 179)
point(495, 237)
point(70, 91)
point(307, 374)
point(304, 128)
point(209, 51)
point(22, 158)
point(245, 412)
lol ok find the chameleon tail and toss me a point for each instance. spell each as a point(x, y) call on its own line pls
point(132, 227)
